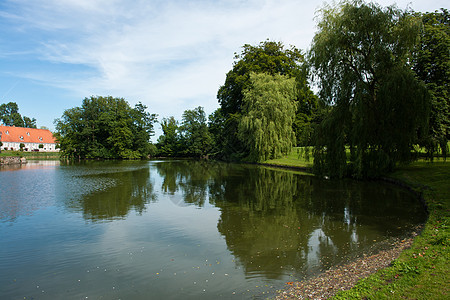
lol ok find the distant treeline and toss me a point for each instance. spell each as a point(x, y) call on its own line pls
point(383, 79)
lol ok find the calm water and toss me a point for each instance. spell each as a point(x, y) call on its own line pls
point(183, 230)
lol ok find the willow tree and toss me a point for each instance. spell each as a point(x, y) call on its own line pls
point(432, 65)
point(271, 58)
point(361, 55)
point(269, 108)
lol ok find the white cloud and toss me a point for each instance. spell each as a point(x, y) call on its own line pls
point(171, 55)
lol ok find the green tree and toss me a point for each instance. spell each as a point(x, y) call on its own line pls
point(7, 110)
point(217, 129)
point(105, 127)
point(142, 129)
point(269, 108)
point(195, 137)
point(271, 58)
point(10, 116)
point(29, 123)
point(68, 133)
point(432, 65)
point(168, 142)
point(361, 54)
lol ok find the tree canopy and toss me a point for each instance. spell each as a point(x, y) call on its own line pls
point(190, 139)
point(195, 137)
point(105, 127)
point(268, 114)
point(361, 55)
point(10, 116)
point(270, 58)
point(432, 65)
point(169, 142)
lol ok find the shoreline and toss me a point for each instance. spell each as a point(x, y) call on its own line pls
point(344, 277)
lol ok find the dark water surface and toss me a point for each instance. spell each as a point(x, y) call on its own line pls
point(183, 229)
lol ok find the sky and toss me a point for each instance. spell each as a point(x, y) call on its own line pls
point(171, 55)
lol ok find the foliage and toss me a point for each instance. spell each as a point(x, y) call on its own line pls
point(432, 65)
point(196, 140)
point(268, 112)
point(361, 55)
point(105, 127)
point(10, 116)
point(270, 58)
point(191, 139)
point(168, 142)
point(217, 128)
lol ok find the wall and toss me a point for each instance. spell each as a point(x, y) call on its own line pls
point(12, 160)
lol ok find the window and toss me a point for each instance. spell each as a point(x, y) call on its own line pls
point(40, 139)
point(21, 137)
point(28, 133)
point(7, 131)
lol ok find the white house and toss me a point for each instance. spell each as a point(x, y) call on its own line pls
point(32, 138)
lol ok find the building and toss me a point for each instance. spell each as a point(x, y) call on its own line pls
point(33, 139)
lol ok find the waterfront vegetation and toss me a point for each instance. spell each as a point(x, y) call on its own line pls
point(382, 75)
point(383, 105)
point(421, 272)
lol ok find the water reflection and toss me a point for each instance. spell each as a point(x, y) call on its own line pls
point(107, 191)
point(276, 222)
point(190, 178)
point(187, 229)
point(21, 195)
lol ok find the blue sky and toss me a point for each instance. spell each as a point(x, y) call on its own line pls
point(171, 55)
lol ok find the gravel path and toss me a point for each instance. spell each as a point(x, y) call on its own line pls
point(343, 277)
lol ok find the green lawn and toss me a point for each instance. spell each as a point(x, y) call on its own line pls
point(296, 158)
point(32, 155)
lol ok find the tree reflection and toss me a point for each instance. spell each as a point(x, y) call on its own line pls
point(276, 221)
point(190, 178)
point(112, 190)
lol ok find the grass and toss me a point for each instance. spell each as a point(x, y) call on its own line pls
point(421, 272)
point(32, 155)
point(295, 159)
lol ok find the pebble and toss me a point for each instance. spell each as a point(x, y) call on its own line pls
point(344, 277)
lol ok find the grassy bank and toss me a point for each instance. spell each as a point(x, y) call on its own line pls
point(296, 158)
point(421, 272)
point(32, 155)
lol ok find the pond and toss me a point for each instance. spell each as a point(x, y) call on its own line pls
point(184, 229)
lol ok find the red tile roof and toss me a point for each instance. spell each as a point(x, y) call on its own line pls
point(26, 135)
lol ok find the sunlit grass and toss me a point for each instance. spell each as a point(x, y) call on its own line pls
point(297, 158)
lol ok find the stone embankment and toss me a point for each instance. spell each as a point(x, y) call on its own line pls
point(12, 160)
